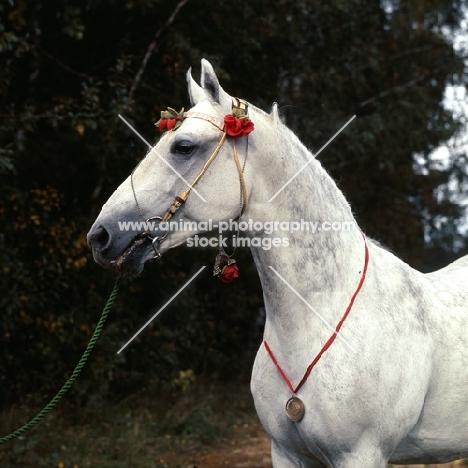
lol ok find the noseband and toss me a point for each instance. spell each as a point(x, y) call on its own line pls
point(180, 199)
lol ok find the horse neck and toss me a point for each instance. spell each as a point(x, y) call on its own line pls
point(323, 267)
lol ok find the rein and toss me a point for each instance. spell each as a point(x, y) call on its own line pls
point(180, 199)
point(75, 373)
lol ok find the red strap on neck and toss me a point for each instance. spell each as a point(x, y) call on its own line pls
point(331, 339)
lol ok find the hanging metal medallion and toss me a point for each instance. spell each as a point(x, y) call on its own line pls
point(295, 409)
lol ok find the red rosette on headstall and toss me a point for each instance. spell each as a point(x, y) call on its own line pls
point(238, 124)
point(170, 119)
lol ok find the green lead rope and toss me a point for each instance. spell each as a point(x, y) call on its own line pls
point(76, 372)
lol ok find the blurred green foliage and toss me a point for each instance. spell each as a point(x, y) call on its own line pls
point(69, 67)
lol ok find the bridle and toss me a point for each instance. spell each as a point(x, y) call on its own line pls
point(180, 199)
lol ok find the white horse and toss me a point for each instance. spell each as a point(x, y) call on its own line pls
point(393, 385)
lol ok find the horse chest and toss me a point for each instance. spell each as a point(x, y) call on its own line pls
point(271, 394)
point(342, 401)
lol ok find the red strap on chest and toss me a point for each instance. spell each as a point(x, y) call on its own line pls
point(331, 339)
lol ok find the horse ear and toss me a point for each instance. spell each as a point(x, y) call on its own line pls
point(209, 81)
point(196, 92)
point(211, 86)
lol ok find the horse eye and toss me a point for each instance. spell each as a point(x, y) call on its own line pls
point(183, 148)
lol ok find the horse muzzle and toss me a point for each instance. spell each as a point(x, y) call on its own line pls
point(123, 253)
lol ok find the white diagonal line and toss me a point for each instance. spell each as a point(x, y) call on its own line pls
point(313, 310)
point(131, 127)
point(153, 150)
point(310, 160)
point(161, 309)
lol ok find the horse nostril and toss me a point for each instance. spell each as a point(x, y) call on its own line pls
point(99, 238)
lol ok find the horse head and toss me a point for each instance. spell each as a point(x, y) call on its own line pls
point(198, 156)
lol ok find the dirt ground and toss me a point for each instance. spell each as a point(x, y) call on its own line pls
point(243, 453)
